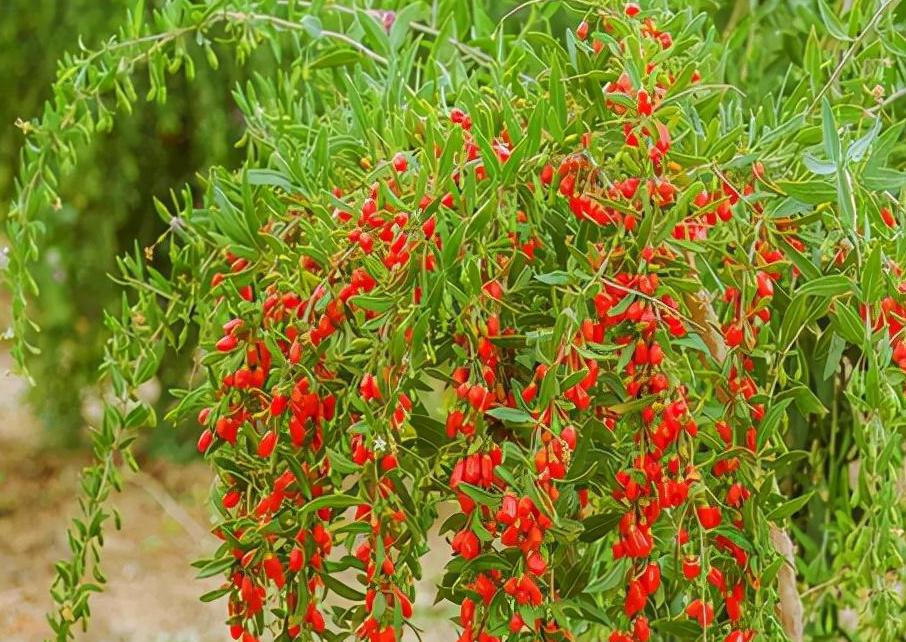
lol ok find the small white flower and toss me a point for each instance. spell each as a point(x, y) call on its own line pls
point(379, 444)
point(4, 258)
point(8, 334)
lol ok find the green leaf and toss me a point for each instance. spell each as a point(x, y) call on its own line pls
point(615, 575)
point(331, 501)
point(770, 572)
point(341, 463)
point(818, 166)
point(883, 178)
point(826, 286)
point(809, 270)
point(373, 303)
point(401, 21)
point(556, 120)
point(811, 192)
point(848, 324)
point(335, 58)
point(829, 132)
point(872, 278)
point(831, 22)
point(597, 526)
point(834, 354)
point(209, 568)
point(683, 629)
point(216, 594)
point(312, 25)
point(858, 149)
point(812, 60)
point(805, 400)
point(431, 433)
point(845, 199)
point(789, 508)
point(873, 392)
point(771, 421)
point(554, 278)
point(479, 495)
point(512, 415)
point(341, 588)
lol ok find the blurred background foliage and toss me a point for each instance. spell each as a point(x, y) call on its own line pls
point(108, 203)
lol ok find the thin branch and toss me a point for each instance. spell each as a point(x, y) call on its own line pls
point(355, 44)
point(850, 52)
point(241, 16)
point(514, 11)
point(892, 98)
point(477, 54)
point(696, 88)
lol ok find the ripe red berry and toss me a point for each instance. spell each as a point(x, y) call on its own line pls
point(765, 285)
point(314, 618)
point(643, 103)
point(278, 405)
point(635, 599)
point(388, 463)
point(641, 630)
point(516, 623)
point(466, 544)
point(716, 578)
point(267, 444)
point(733, 335)
point(708, 516)
point(535, 564)
point(493, 290)
point(569, 435)
point(547, 174)
point(651, 578)
point(296, 559)
point(231, 499)
point(691, 568)
point(204, 441)
point(227, 343)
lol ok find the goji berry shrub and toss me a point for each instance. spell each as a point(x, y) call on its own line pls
point(572, 292)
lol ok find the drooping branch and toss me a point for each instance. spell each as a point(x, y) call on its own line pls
point(790, 603)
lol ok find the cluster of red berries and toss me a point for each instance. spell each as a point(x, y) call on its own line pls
point(384, 518)
point(307, 421)
point(662, 475)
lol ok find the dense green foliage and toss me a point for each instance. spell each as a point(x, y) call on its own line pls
point(448, 214)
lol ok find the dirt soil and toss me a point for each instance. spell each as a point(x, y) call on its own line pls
point(152, 593)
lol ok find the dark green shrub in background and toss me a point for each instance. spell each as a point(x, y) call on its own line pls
point(106, 209)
